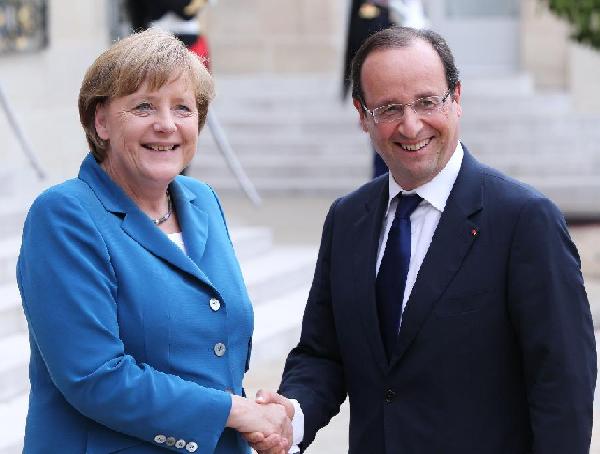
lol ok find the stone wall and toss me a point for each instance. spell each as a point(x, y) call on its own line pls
point(544, 46)
point(277, 36)
point(42, 88)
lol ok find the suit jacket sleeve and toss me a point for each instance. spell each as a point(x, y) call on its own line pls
point(69, 290)
point(550, 311)
point(314, 373)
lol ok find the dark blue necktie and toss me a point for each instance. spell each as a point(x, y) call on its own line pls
point(391, 279)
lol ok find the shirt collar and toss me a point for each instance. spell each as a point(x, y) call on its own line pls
point(437, 190)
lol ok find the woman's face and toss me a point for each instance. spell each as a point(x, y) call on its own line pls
point(152, 135)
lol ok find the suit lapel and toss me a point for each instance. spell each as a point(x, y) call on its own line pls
point(368, 227)
point(141, 229)
point(193, 221)
point(451, 242)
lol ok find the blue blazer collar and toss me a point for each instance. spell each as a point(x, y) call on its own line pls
point(135, 223)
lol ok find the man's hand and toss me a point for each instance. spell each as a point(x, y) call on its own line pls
point(270, 397)
point(267, 423)
point(270, 445)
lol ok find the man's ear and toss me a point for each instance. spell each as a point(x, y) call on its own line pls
point(101, 121)
point(361, 113)
point(456, 97)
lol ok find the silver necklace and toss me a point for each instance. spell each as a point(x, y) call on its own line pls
point(167, 215)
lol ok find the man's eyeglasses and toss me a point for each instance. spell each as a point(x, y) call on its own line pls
point(395, 112)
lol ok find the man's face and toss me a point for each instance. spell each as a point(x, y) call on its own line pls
point(418, 146)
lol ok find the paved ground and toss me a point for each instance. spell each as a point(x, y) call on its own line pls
point(299, 220)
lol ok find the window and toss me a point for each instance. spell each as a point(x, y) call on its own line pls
point(23, 25)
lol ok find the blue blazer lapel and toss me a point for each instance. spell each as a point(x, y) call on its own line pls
point(193, 221)
point(368, 227)
point(139, 226)
point(451, 242)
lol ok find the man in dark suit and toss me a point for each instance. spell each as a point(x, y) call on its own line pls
point(486, 345)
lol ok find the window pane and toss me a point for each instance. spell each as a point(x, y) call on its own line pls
point(22, 25)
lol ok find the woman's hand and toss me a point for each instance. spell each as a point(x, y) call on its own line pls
point(269, 419)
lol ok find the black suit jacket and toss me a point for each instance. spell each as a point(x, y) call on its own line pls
point(496, 353)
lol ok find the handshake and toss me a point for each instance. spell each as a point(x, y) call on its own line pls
point(266, 423)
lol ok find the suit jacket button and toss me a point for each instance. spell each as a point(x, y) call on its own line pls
point(180, 444)
point(214, 304)
point(389, 395)
point(170, 441)
point(160, 439)
point(191, 447)
point(220, 349)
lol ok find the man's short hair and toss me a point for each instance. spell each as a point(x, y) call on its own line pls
point(400, 37)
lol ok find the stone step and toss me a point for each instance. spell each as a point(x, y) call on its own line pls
point(12, 216)
point(506, 151)
point(317, 91)
point(348, 139)
point(278, 271)
point(277, 324)
point(577, 197)
point(14, 351)
point(546, 167)
point(277, 118)
point(273, 157)
point(12, 319)
point(336, 184)
point(250, 242)
point(12, 430)
point(592, 287)
point(286, 171)
point(333, 153)
point(522, 149)
point(564, 127)
point(9, 250)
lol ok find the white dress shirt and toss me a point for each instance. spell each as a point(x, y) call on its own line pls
point(423, 222)
point(177, 238)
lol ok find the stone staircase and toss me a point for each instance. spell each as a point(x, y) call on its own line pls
point(292, 134)
point(14, 347)
point(277, 280)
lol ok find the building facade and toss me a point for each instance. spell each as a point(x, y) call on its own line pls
point(490, 38)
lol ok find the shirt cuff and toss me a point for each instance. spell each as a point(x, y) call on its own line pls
point(297, 427)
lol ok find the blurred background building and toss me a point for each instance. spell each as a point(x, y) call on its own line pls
point(531, 107)
point(530, 94)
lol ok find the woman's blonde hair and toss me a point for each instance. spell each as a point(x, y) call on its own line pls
point(151, 56)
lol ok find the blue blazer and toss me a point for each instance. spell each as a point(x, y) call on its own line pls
point(135, 346)
point(496, 353)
